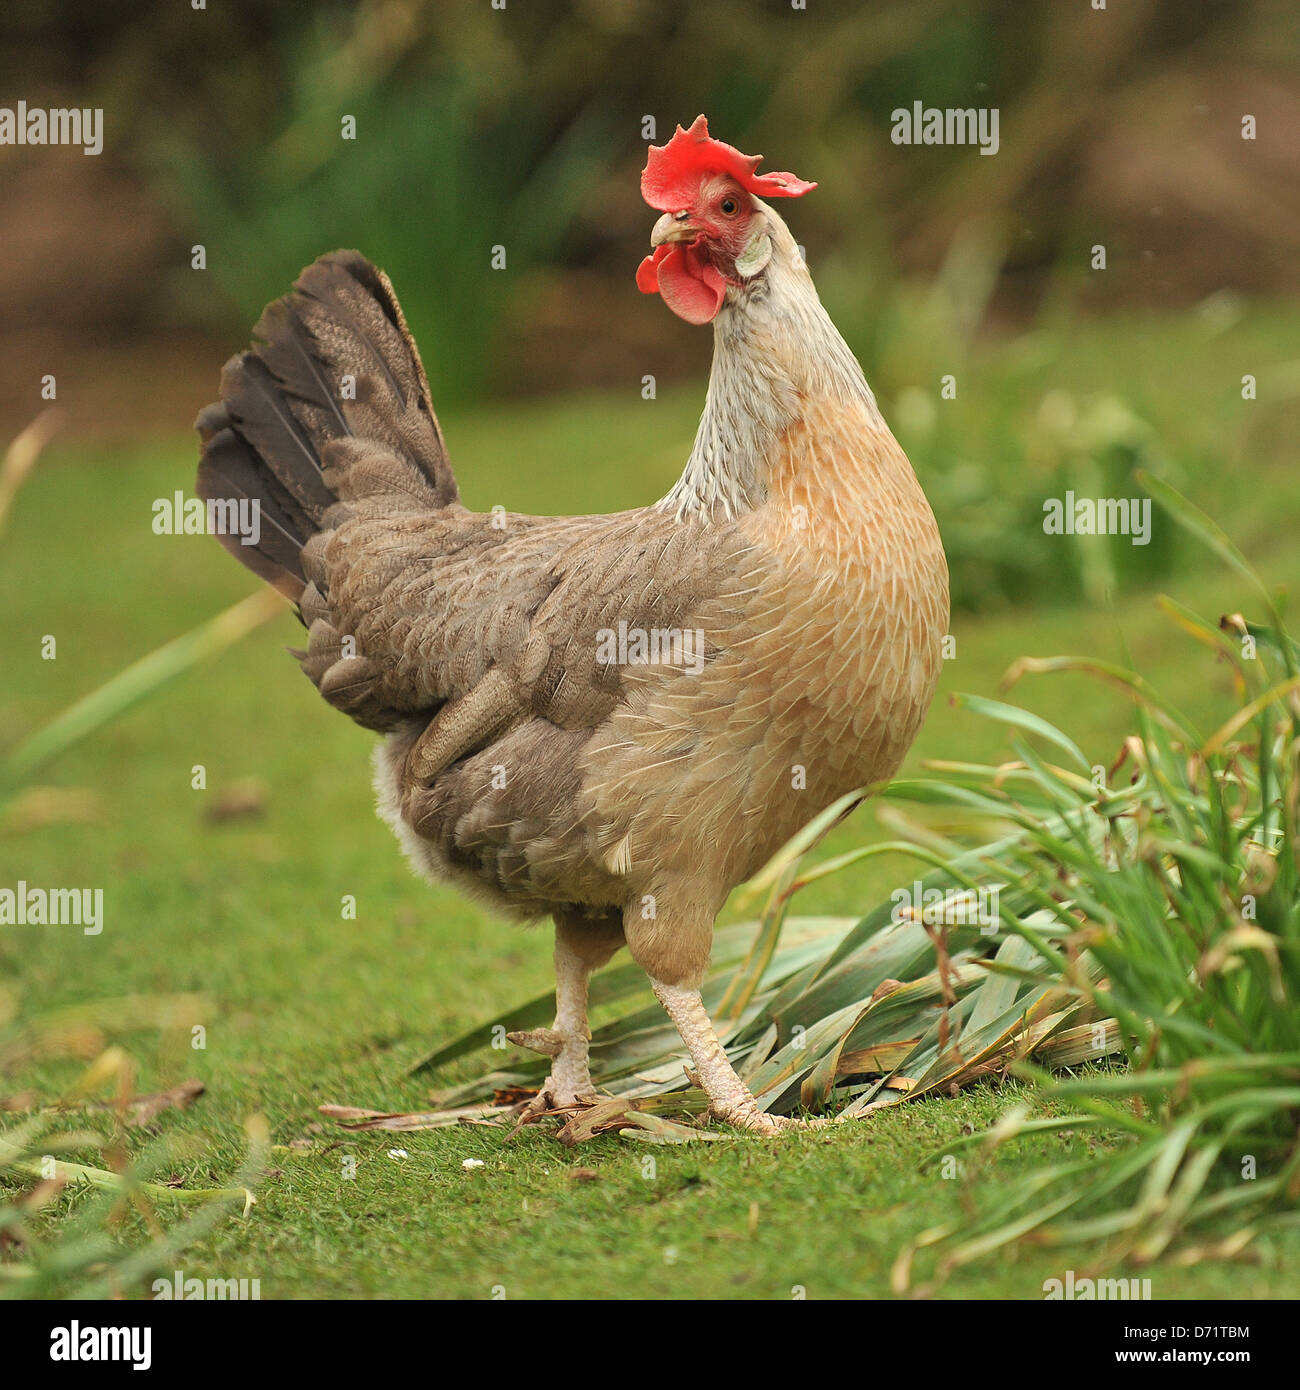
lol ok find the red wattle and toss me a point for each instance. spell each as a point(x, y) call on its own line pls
point(647, 276)
point(691, 287)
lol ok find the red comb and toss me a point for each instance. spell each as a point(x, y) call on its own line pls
point(673, 171)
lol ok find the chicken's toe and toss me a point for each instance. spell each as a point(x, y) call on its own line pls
point(756, 1121)
point(552, 1099)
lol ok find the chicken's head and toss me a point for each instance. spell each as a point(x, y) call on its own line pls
point(712, 232)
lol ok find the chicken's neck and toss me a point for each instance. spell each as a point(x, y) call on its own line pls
point(776, 353)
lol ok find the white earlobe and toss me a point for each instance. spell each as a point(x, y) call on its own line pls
point(755, 256)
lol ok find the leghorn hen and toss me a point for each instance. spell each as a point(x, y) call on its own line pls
point(608, 720)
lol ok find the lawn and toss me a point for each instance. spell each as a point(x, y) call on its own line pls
point(305, 1005)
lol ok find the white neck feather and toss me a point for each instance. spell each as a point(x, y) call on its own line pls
point(774, 347)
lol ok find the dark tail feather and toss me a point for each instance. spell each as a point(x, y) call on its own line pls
point(331, 361)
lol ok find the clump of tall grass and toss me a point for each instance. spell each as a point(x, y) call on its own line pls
point(1169, 901)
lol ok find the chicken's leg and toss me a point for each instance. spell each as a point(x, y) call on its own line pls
point(730, 1099)
point(672, 944)
point(580, 948)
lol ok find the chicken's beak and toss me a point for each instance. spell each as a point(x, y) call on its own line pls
point(673, 226)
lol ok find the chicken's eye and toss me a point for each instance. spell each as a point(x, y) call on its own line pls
point(729, 207)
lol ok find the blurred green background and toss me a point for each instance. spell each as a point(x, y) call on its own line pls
point(523, 128)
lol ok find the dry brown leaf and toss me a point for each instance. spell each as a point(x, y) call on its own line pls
point(407, 1120)
point(143, 1110)
point(139, 1110)
point(242, 800)
point(871, 1061)
point(34, 808)
point(512, 1095)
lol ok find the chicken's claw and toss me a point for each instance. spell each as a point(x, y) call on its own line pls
point(544, 1040)
point(757, 1121)
point(548, 1101)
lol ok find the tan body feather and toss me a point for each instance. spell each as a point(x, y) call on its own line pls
point(519, 763)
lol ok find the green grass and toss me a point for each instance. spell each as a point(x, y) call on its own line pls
point(308, 1007)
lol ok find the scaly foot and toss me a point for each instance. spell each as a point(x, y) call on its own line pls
point(568, 1087)
point(730, 1100)
point(756, 1121)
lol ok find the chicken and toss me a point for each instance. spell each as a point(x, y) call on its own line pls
point(608, 720)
